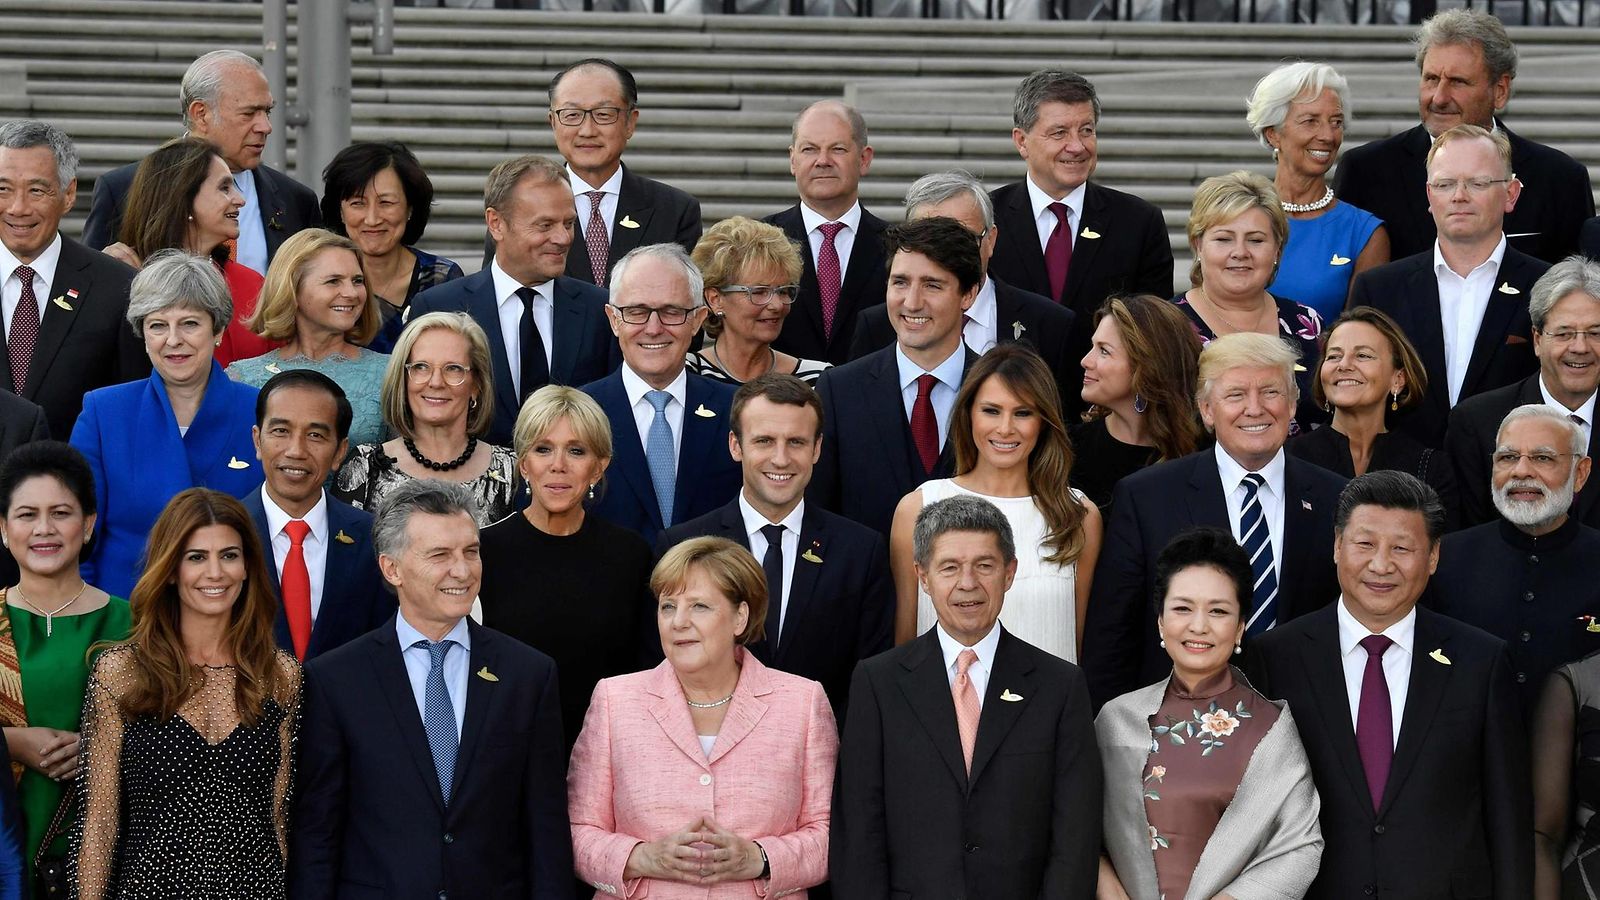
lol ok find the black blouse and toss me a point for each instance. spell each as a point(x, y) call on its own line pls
point(1391, 451)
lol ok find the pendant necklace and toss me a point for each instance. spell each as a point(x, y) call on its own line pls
point(49, 616)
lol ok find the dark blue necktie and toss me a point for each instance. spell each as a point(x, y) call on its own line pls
point(1257, 543)
point(439, 717)
point(772, 565)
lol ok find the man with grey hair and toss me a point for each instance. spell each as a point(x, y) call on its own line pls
point(1564, 308)
point(669, 426)
point(968, 765)
point(63, 304)
point(1467, 62)
point(225, 100)
point(432, 761)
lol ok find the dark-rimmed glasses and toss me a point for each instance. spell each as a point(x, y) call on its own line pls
point(638, 315)
point(573, 116)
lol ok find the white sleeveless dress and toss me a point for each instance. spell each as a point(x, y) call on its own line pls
point(1041, 607)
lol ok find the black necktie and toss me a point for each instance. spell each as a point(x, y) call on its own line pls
point(772, 564)
point(535, 368)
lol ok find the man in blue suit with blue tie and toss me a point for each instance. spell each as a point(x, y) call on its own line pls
point(543, 326)
point(323, 567)
point(669, 426)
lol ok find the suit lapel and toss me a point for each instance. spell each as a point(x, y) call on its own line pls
point(389, 668)
point(803, 585)
point(1097, 221)
point(1493, 331)
point(485, 310)
point(340, 565)
point(746, 710)
point(1011, 670)
point(73, 273)
point(1017, 220)
point(258, 518)
point(1426, 329)
point(866, 256)
point(481, 693)
point(888, 413)
point(1430, 680)
point(1325, 673)
point(630, 467)
point(1207, 500)
point(702, 436)
point(794, 225)
point(1299, 527)
point(636, 205)
point(271, 204)
point(567, 322)
point(672, 713)
point(927, 689)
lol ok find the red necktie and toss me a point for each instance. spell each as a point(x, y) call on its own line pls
point(296, 586)
point(924, 427)
point(1058, 251)
point(595, 237)
point(967, 709)
point(1375, 719)
point(829, 275)
point(24, 331)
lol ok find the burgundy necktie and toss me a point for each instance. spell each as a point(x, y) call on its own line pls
point(1375, 720)
point(595, 237)
point(829, 275)
point(924, 427)
point(1058, 251)
point(24, 330)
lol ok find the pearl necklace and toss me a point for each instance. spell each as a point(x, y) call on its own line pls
point(458, 462)
point(712, 705)
point(49, 615)
point(1313, 206)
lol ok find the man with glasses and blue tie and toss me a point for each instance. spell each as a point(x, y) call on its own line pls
point(431, 758)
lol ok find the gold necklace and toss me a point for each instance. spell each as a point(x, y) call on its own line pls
point(49, 617)
point(1218, 310)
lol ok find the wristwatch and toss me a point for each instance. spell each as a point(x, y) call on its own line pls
point(766, 864)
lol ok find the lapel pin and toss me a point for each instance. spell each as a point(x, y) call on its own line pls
point(273, 222)
point(1009, 697)
point(628, 222)
point(1339, 260)
point(1591, 623)
point(235, 462)
point(1299, 368)
point(62, 302)
point(1439, 657)
point(704, 413)
point(1092, 235)
point(810, 557)
point(1305, 505)
point(1506, 288)
point(273, 368)
point(487, 675)
point(1017, 328)
point(343, 538)
point(496, 475)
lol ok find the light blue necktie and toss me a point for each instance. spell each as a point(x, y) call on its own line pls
point(438, 716)
point(661, 455)
point(1257, 545)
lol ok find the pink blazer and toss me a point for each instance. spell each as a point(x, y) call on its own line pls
point(638, 774)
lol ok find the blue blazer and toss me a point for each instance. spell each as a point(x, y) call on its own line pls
point(707, 475)
point(583, 346)
point(130, 437)
point(355, 598)
point(370, 822)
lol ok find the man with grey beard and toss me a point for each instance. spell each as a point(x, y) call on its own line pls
point(1529, 578)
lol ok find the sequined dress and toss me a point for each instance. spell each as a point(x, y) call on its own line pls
point(193, 808)
point(369, 474)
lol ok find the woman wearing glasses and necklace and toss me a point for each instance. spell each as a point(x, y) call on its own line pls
point(751, 270)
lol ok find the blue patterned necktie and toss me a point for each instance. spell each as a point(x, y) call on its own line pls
point(438, 716)
point(661, 455)
point(1257, 543)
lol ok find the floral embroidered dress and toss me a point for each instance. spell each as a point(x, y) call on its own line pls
point(1301, 326)
point(1200, 746)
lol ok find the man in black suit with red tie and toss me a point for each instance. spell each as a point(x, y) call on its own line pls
point(841, 242)
point(1409, 718)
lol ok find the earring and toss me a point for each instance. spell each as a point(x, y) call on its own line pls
point(591, 490)
point(1238, 649)
point(1163, 643)
point(1140, 404)
point(1327, 406)
point(472, 403)
point(1274, 154)
point(1394, 400)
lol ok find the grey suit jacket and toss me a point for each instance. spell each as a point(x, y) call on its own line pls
point(1268, 843)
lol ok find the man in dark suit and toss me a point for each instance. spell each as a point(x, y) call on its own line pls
point(594, 107)
point(225, 101)
point(324, 570)
point(886, 416)
point(830, 601)
point(65, 306)
point(543, 327)
point(669, 426)
point(431, 759)
point(21, 423)
point(968, 766)
point(841, 242)
point(1564, 309)
point(1464, 303)
point(1280, 509)
point(1406, 715)
point(1589, 238)
point(1467, 62)
point(1000, 313)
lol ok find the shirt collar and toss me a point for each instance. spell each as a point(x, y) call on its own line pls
point(1040, 199)
point(814, 219)
point(1585, 411)
point(984, 308)
point(317, 518)
point(948, 372)
point(755, 521)
point(1403, 632)
point(44, 265)
point(1492, 263)
point(985, 647)
point(506, 287)
point(637, 388)
point(613, 184)
point(408, 635)
point(245, 181)
point(1232, 473)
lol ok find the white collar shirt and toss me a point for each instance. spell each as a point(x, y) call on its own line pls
point(947, 380)
point(1396, 662)
point(1046, 220)
point(509, 306)
point(1585, 410)
point(980, 670)
point(315, 545)
point(644, 413)
point(753, 523)
point(608, 204)
point(979, 328)
point(456, 665)
point(843, 242)
point(250, 250)
point(1270, 495)
point(1462, 304)
point(44, 274)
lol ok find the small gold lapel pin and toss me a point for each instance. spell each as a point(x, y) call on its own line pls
point(704, 413)
point(810, 557)
point(343, 538)
point(1009, 697)
point(1590, 623)
point(1439, 657)
point(1506, 288)
point(487, 675)
point(1339, 260)
point(496, 475)
point(273, 368)
point(1017, 328)
point(1092, 235)
point(628, 222)
point(1299, 368)
point(62, 302)
point(235, 462)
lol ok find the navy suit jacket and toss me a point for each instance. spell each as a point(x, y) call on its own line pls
point(866, 280)
point(707, 475)
point(370, 822)
point(584, 347)
point(355, 598)
point(839, 609)
point(1408, 290)
point(287, 206)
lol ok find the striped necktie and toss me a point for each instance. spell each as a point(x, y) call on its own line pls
point(1257, 543)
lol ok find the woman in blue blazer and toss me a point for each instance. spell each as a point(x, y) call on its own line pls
point(186, 426)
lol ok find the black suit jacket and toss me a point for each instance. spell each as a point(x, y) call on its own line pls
point(908, 821)
point(85, 341)
point(1020, 316)
point(866, 279)
point(584, 347)
point(369, 821)
point(1456, 818)
point(1408, 290)
point(1589, 238)
point(1121, 651)
point(287, 206)
point(21, 423)
point(868, 461)
point(840, 609)
point(1388, 178)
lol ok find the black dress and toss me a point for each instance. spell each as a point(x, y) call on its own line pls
point(1391, 451)
point(1099, 461)
point(584, 599)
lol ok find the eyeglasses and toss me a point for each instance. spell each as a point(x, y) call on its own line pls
point(454, 374)
point(762, 294)
point(1543, 460)
point(573, 116)
point(1568, 335)
point(1448, 186)
point(638, 315)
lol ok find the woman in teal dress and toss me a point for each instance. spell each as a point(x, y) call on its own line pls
point(49, 621)
point(317, 303)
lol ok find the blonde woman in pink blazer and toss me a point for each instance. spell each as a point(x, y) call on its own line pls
point(710, 775)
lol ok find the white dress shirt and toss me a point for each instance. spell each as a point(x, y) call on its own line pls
point(1045, 220)
point(509, 305)
point(979, 329)
point(44, 275)
point(978, 673)
point(1462, 303)
point(644, 413)
point(315, 546)
point(943, 395)
point(1270, 495)
point(1585, 411)
point(457, 664)
point(1396, 662)
point(843, 242)
point(753, 523)
point(608, 203)
point(251, 248)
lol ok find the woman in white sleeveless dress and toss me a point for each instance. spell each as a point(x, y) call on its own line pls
point(1011, 448)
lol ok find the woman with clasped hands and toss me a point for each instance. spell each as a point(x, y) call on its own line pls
point(710, 775)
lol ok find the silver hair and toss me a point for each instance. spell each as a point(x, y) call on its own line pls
point(1575, 274)
point(962, 512)
point(940, 187)
point(1050, 86)
point(1470, 26)
point(858, 124)
point(429, 496)
point(1268, 104)
point(670, 252)
point(1577, 446)
point(204, 78)
point(174, 278)
point(25, 134)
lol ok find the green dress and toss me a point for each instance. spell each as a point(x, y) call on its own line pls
point(55, 671)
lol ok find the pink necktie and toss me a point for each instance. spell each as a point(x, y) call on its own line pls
point(829, 275)
point(967, 709)
point(1058, 251)
point(595, 237)
point(24, 331)
point(924, 427)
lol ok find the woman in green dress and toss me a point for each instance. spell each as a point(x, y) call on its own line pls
point(49, 621)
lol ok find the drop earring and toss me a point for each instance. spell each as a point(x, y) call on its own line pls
point(1274, 154)
point(1140, 404)
point(591, 491)
point(1238, 649)
point(1394, 400)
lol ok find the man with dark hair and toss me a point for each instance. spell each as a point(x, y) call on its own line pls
point(324, 570)
point(1406, 716)
point(830, 601)
point(886, 415)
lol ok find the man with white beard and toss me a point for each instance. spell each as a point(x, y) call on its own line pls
point(1529, 578)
